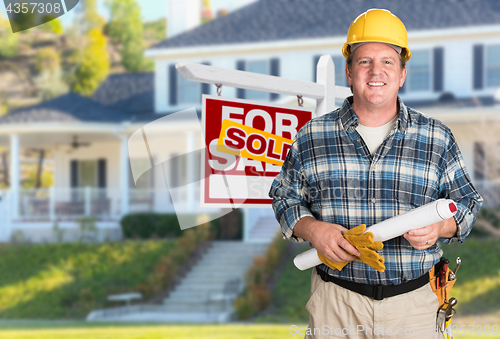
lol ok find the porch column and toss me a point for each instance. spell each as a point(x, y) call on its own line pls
point(14, 174)
point(191, 168)
point(124, 175)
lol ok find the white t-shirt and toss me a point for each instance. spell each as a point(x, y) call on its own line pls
point(375, 136)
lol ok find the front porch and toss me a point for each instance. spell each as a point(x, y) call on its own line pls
point(55, 214)
point(91, 178)
point(41, 213)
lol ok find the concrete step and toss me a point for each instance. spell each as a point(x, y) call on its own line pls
point(223, 261)
point(221, 267)
point(264, 229)
point(189, 295)
point(209, 281)
point(207, 308)
point(227, 260)
point(196, 297)
point(212, 283)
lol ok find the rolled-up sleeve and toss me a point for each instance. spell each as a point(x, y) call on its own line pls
point(456, 185)
point(289, 192)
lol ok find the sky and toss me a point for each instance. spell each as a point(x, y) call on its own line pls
point(151, 9)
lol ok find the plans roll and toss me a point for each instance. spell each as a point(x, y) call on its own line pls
point(394, 227)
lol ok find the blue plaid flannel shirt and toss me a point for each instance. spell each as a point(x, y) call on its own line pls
point(330, 175)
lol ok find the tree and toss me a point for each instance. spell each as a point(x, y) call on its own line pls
point(93, 66)
point(92, 60)
point(89, 19)
point(54, 26)
point(125, 26)
point(8, 41)
point(155, 30)
point(47, 59)
point(50, 76)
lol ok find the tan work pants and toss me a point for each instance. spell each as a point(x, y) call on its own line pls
point(335, 312)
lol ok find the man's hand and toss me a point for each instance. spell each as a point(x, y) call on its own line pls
point(425, 237)
point(326, 238)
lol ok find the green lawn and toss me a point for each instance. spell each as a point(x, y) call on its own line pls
point(478, 279)
point(82, 330)
point(117, 331)
point(68, 280)
point(55, 280)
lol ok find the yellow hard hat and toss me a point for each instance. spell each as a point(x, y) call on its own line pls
point(378, 25)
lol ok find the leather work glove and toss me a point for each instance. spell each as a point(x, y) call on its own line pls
point(365, 245)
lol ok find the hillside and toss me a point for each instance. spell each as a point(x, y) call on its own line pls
point(33, 53)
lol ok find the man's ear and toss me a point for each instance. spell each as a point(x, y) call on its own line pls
point(348, 75)
point(403, 77)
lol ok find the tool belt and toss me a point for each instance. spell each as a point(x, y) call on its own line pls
point(441, 292)
point(442, 279)
point(377, 292)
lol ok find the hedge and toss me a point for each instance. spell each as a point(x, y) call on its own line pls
point(156, 225)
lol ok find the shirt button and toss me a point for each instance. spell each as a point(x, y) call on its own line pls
point(374, 167)
point(374, 200)
point(359, 140)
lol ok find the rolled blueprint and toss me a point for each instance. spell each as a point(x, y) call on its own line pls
point(394, 227)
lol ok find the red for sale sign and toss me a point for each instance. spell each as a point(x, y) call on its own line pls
point(246, 143)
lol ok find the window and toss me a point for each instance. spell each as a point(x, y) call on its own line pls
point(261, 67)
point(419, 71)
point(182, 91)
point(189, 91)
point(88, 173)
point(271, 67)
point(493, 66)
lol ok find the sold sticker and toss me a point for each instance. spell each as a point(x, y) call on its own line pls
point(252, 143)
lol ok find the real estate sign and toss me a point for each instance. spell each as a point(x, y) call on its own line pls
point(246, 143)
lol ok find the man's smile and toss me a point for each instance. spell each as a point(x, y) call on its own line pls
point(376, 83)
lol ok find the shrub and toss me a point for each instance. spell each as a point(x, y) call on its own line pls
point(261, 296)
point(244, 306)
point(149, 225)
point(257, 292)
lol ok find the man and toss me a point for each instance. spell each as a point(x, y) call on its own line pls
point(369, 160)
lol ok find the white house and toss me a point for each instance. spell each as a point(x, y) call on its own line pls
point(453, 75)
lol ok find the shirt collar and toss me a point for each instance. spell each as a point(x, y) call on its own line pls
point(349, 119)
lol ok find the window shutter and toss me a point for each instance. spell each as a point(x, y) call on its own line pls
point(438, 69)
point(172, 76)
point(240, 66)
point(315, 65)
point(478, 67)
point(275, 70)
point(479, 161)
point(205, 88)
point(101, 173)
point(74, 173)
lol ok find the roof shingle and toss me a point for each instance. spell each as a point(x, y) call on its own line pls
point(271, 20)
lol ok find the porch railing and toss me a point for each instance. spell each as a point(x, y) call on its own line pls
point(71, 203)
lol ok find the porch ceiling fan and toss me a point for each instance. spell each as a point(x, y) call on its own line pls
point(75, 144)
